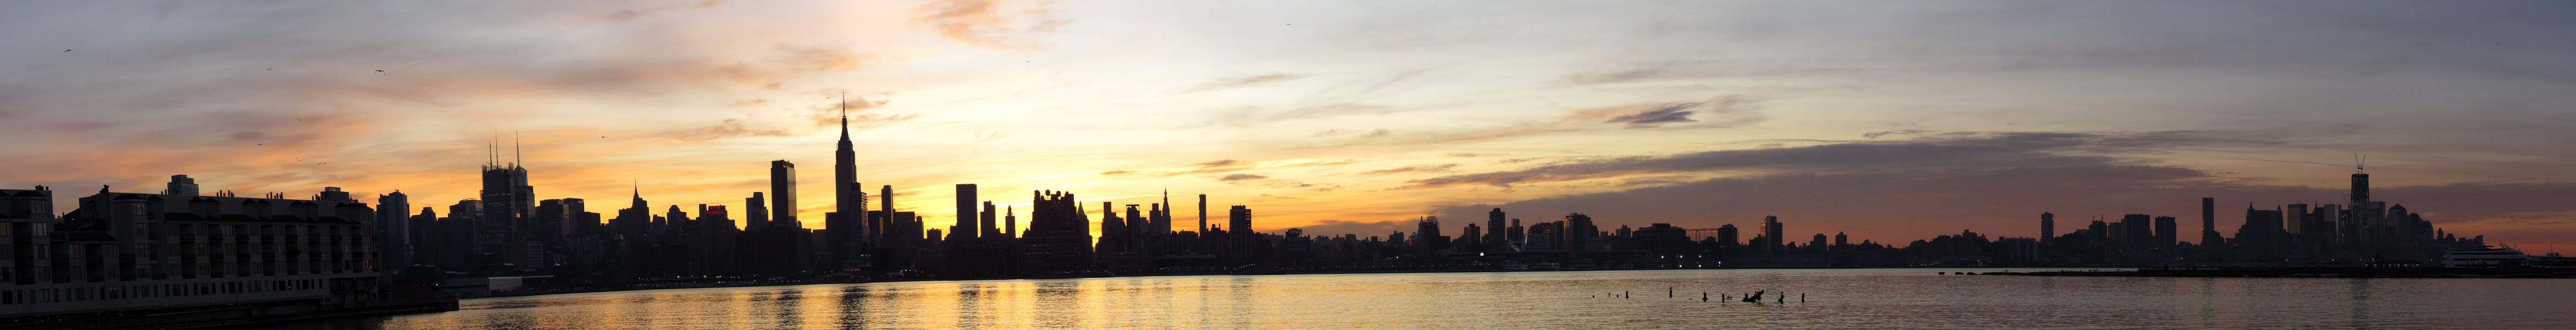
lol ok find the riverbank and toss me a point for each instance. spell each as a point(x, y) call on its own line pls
point(2313, 272)
point(230, 316)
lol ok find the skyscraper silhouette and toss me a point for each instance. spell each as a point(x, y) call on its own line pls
point(848, 232)
point(1059, 239)
point(181, 185)
point(887, 233)
point(782, 194)
point(1494, 236)
point(1426, 236)
point(965, 229)
point(1772, 236)
point(2209, 223)
point(1239, 230)
point(755, 215)
point(1727, 241)
point(2047, 226)
point(2165, 235)
point(986, 218)
point(2137, 230)
point(1162, 218)
point(507, 201)
point(393, 237)
point(1113, 231)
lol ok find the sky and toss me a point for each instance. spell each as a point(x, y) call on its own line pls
point(1889, 121)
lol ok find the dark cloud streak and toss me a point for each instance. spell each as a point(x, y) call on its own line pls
point(1949, 151)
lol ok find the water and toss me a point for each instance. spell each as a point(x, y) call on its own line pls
point(1834, 299)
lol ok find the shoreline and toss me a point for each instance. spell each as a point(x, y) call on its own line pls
point(2306, 272)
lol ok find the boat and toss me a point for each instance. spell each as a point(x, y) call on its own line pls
point(2484, 257)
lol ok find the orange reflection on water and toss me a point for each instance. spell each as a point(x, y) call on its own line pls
point(1837, 298)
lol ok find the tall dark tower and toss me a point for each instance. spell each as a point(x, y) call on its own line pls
point(849, 198)
point(885, 200)
point(1771, 236)
point(2366, 216)
point(2164, 236)
point(1242, 240)
point(782, 194)
point(507, 204)
point(1494, 229)
point(991, 230)
point(966, 213)
point(2360, 186)
point(756, 211)
point(1203, 214)
point(635, 223)
point(395, 245)
point(2209, 223)
point(2047, 226)
point(1163, 215)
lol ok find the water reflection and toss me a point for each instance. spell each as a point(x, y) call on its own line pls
point(1836, 299)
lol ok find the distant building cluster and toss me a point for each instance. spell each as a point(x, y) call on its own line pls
point(2361, 231)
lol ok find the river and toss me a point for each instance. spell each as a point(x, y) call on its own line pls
point(1817, 299)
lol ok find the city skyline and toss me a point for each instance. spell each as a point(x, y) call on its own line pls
point(1823, 135)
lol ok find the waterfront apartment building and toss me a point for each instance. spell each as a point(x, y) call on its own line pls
point(136, 251)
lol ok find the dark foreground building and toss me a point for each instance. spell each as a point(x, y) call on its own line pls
point(180, 254)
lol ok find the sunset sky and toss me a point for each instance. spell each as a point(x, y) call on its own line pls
point(1892, 121)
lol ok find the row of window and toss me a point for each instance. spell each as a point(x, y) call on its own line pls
point(141, 291)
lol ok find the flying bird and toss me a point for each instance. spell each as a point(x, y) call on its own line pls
point(380, 71)
point(67, 50)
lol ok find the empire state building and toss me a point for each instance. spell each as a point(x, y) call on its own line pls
point(846, 230)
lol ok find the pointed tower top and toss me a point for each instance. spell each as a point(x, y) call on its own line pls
point(845, 116)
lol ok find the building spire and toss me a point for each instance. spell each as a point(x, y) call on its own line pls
point(845, 116)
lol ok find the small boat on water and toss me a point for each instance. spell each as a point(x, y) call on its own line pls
point(2484, 257)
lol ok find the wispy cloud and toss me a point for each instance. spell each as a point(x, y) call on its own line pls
point(629, 14)
point(1239, 82)
point(1413, 169)
point(985, 23)
point(727, 129)
point(1241, 177)
point(1729, 111)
